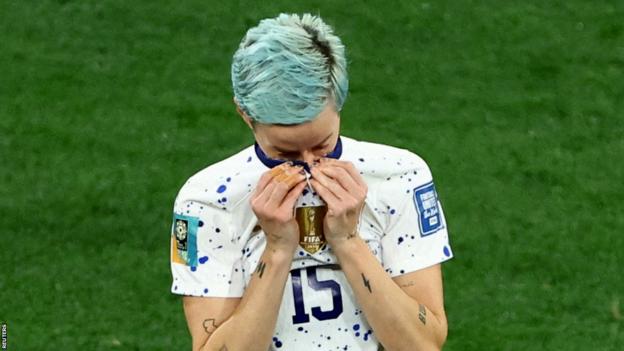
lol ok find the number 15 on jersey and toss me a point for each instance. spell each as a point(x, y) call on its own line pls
point(301, 315)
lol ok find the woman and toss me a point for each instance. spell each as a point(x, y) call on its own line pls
point(308, 239)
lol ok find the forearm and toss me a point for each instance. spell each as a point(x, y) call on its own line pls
point(252, 324)
point(399, 321)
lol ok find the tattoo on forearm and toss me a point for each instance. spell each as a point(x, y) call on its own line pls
point(367, 283)
point(210, 326)
point(260, 269)
point(408, 284)
point(422, 313)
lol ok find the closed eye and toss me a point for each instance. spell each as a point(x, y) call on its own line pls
point(289, 155)
point(317, 148)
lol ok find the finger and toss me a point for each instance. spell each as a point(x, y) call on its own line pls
point(295, 179)
point(291, 177)
point(266, 179)
point(281, 177)
point(288, 169)
point(282, 187)
point(329, 197)
point(293, 194)
point(279, 169)
point(264, 196)
point(348, 167)
point(353, 188)
point(332, 185)
point(279, 172)
point(262, 183)
point(341, 176)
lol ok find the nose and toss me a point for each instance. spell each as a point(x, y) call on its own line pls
point(308, 157)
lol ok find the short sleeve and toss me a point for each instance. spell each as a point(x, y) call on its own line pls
point(205, 260)
point(416, 234)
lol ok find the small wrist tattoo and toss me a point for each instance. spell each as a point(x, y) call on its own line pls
point(352, 235)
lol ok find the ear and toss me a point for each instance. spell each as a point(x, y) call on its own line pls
point(243, 115)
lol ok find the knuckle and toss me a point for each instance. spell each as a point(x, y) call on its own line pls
point(258, 211)
point(261, 210)
point(265, 177)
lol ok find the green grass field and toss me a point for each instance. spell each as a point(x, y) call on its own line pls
point(106, 107)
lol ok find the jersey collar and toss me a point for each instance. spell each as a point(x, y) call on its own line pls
point(271, 162)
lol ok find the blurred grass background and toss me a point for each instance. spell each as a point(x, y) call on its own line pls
point(106, 107)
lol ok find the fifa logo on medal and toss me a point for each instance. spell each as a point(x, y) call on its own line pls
point(311, 235)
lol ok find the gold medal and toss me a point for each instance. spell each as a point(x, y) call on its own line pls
point(311, 235)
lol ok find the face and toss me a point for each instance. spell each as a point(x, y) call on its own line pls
point(305, 142)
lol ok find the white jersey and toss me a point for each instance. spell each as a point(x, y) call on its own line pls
point(216, 242)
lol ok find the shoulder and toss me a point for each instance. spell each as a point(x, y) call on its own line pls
point(380, 162)
point(223, 184)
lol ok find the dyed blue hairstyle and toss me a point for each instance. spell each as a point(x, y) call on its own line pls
point(287, 68)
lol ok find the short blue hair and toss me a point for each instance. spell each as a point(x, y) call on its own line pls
point(288, 68)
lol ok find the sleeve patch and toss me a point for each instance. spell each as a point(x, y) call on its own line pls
point(426, 202)
point(184, 240)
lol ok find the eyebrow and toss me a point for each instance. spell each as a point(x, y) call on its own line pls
point(292, 151)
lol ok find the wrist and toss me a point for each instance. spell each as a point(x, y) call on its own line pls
point(345, 243)
point(280, 252)
point(280, 260)
point(281, 243)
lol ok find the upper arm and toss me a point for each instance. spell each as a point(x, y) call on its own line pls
point(425, 286)
point(205, 314)
point(415, 231)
